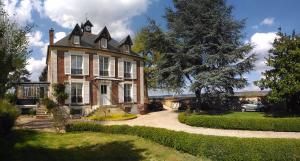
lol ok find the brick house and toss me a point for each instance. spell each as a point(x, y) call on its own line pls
point(97, 70)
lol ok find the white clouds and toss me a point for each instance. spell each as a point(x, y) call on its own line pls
point(20, 11)
point(35, 67)
point(58, 36)
point(268, 21)
point(35, 39)
point(116, 14)
point(262, 44)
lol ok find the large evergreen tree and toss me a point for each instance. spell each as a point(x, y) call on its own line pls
point(13, 53)
point(206, 51)
point(284, 76)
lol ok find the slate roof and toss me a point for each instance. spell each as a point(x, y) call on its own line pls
point(88, 41)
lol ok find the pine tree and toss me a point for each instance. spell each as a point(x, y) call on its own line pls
point(206, 51)
point(284, 76)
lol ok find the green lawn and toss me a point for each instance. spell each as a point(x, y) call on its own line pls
point(84, 146)
point(243, 121)
point(114, 114)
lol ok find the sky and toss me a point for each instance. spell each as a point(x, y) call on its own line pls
point(123, 17)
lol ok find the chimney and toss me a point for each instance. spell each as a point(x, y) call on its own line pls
point(51, 36)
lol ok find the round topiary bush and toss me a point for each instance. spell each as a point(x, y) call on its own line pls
point(8, 116)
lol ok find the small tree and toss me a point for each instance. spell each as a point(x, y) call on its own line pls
point(43, 76)
point(60, 115)
point(284, 76)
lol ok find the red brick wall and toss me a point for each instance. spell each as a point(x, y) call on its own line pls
point(60, 67)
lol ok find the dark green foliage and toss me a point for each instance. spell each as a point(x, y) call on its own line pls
point(13, 52)
point(212, 147)
point(49, 104)
point(59, 93)
point(8, 116)
point(155, 106)
point(43, 76)
point(242, 123)
point(11, 98)
point(284, 76)
point(204, 50)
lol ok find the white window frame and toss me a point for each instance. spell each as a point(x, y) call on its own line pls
point(103, 43)
point(76, 92)
point(127, 70)
point(127, 48)
point(78, 67)
point(102, 64)
point(128, 93)
point(76, 40)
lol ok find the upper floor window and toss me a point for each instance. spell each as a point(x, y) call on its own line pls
point(103, 64)
point(127, 48)
point(127, 69)
point(76, 64)
point(104, 43)
point(127, 92)
point(76, 40)
point(76, 93)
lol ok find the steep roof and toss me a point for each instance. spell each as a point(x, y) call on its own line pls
point(88, 40)
point(88, 23)
point(127, 41)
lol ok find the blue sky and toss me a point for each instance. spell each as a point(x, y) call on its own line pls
point(263, 17)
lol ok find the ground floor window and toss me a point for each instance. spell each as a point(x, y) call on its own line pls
point(127, 92)
point(76, 93)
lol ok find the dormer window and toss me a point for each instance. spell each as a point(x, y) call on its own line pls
point(127, 48)
point(76, 40)
point(103, 43)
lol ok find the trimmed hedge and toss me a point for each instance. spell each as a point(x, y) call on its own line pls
point(8, 116)
point(213, 147)
point(246, 123)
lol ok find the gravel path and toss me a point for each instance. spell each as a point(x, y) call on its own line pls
point(168, 119)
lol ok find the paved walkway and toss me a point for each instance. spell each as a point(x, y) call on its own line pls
point(168, 119)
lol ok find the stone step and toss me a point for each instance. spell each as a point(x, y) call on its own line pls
point(43, 116)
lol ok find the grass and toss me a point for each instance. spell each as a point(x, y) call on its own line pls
point(114, 117)
point(211, 147)
point(243, 121)
point(84, 146)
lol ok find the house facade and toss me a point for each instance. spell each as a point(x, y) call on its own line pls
point(97, 70)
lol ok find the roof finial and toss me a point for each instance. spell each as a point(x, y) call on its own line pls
point(86, 16)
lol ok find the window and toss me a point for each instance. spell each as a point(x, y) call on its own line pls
point(127, 48)
point(127, 69)
point(76, 64)
point(76, 93)
point(104, 43)
point(103, 89)
point(127, 92)
point(26, 91)
point(76, 40)
point(103, 64)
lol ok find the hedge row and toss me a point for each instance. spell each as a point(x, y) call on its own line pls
point(261, 124)
point(8, 116)
point(212, 147)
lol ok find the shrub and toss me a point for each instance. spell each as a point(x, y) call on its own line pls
point(50, 104)
point(242, 123)
point(213, 147)
point(59, 93)
point(8, 116)
point(155, 106)
point(11, 98)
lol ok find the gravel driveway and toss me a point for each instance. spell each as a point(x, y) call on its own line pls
point(168, 119)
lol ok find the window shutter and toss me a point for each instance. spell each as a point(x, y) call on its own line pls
point(67, 63)
point(134, 93)
point(86, 64)
point(111, 66)
point(96, 65)
point(133, 69)
point(86, 92)
point(121, 92)
point(68, 91)
point(120, 68)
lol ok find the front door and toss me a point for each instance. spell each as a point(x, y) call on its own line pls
point(104, 94)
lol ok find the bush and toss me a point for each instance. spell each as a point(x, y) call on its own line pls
point(155, 106)
point(50, 104)
point(11, 98)
point(8, 116)
point(213, 147)
point(242, 123)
